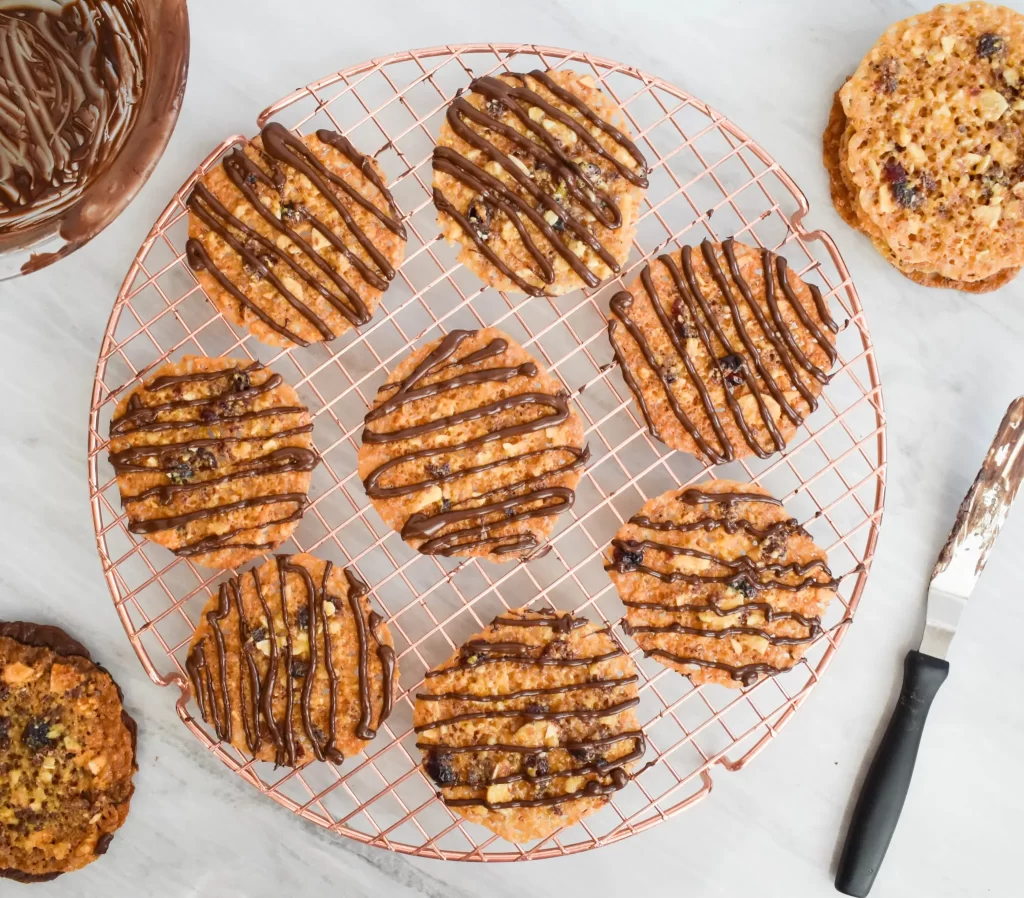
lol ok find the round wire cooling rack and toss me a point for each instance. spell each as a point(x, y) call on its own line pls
point(707, 178)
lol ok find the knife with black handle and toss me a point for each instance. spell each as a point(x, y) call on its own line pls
point(960, 563)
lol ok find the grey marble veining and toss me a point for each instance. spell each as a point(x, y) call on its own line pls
point(950, 363)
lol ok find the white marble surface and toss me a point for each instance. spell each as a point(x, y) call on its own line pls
point(950, 363)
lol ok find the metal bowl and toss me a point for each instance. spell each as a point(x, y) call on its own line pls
point(165, 24)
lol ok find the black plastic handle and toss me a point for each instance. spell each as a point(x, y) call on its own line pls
point(885, 787)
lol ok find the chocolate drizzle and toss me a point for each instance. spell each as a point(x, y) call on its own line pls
point(567, 176)
point(594, 789)
point(742, 576)
point(524, 714)
point(694, 496)
point(356, 590)
point(263, 256)
point(561, 624)
point(185, 463)
point(732, 365)
point(70, 86)
point(257, 692)
point(503, 505)
point(534, 766)
point(489, 653)
point(386, 655)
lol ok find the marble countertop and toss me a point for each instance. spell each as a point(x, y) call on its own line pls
point(950, 363)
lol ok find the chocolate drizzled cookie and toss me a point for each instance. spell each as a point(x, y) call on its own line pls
point(720, 583)
point(213, 459)
point(725, 350)
point(295, 238)
point(536, 176)
point(471, 449)
point(290, 663)
point(67, 754)
point(530, 727)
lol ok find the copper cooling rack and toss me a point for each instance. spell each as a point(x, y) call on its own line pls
point(707, 179)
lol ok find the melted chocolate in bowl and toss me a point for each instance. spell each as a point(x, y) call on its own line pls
point(70, 82)
point(87, 103)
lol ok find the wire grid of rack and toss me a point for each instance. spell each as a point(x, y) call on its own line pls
point(707, 179)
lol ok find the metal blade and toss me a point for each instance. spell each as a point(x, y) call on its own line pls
point(981, 515)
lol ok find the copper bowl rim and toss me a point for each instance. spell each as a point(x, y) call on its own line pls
point(109, 194)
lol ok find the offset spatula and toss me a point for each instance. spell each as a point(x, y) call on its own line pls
point(960, 564)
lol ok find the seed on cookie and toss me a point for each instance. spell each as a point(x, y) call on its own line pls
point(470, 448)
point(719, 583)
point(213, 459)
point(536, 176)
point(530, 726)
point(724, 349)
point(287, 692)
point(67, 754)
point(295, 238)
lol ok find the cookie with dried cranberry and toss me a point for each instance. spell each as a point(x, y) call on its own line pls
point(295, 238)
point(725, 349)
point(932, 148)
point(720, 583)
point(213, 459)
point(535, 175)
point(290, 663)
point(530, 726)
point(845, 204)
point(67, 754)
point(472, 448)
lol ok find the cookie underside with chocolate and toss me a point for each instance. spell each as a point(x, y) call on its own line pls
point(213, 459)
point(295, 239)
point(471, 448)
point(290, 663)
point(530, 726)
point(725, 350)
point(928, 146)
point(535, 175)
point(67, 754)
point(720, 583)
